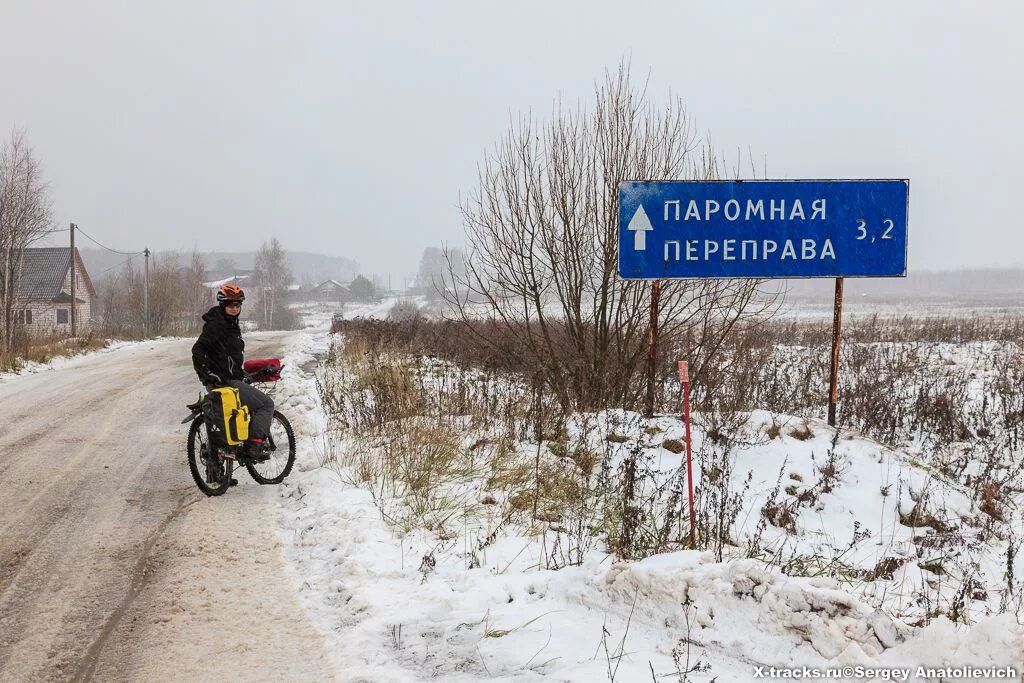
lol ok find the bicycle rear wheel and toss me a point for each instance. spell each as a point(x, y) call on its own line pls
point(211, 472)
point(281, 451)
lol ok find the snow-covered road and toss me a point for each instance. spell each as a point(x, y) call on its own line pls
point(112, 565)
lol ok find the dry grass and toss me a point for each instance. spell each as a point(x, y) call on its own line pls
point(885, 568)
point(673, 446)
point(46, 351)
point(991, 501)
point(919, 516)
point(802, 433)
point(445, 436)
point(780, 515)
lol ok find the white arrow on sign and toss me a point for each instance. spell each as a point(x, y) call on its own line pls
point(640, 224)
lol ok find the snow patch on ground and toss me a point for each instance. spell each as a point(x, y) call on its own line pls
point(398, 607)
point(320, 314)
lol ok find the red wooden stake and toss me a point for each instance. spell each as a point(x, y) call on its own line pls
point(684, 378)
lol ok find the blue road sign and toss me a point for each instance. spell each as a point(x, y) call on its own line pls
point(763, 229)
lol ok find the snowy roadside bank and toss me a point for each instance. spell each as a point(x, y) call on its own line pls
point(69, 361)
point(396, 605)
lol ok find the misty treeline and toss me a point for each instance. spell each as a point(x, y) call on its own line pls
point(541, 248)
point(25, 217)
point(178, 295)
point(439, 271)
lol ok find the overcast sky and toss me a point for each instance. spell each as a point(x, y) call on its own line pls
point(351, 128)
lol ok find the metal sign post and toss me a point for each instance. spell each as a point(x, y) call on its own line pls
point(684, 380)
point(837, 325)
point(652, 348)
point(764, 229)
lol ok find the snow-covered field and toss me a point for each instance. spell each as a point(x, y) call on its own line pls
point(471, 599)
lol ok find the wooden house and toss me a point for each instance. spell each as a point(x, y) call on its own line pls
point(42, 305)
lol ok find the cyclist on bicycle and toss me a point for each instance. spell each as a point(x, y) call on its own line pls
point(217, 357)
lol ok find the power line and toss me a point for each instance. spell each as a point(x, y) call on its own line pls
point(134, 256)
point(123, 253)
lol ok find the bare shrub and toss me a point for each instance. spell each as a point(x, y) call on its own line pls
point(541, 258)
point(403, 309)
point(536, 470)
point(718, 502)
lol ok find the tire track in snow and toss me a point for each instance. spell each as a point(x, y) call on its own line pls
point(138, 581)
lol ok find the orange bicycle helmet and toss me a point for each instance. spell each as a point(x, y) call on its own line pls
point(230, 294)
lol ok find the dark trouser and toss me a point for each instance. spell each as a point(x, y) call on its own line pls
point(260, 405)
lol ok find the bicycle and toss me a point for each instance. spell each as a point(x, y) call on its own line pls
point(212, 462)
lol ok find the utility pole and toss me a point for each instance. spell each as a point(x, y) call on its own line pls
point(145, 290)
point(73, 306)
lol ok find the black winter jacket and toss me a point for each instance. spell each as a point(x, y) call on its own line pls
point(220, 348)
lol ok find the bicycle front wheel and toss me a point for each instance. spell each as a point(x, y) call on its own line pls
point(281, 446)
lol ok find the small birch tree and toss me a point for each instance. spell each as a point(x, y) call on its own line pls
point(272, 275)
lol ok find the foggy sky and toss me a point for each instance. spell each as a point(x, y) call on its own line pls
point(350, 129)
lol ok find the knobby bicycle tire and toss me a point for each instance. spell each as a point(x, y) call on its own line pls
point(254, 473)
point(194, 464)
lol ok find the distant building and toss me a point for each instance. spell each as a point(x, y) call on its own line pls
point(331, 290)
point(42, 305)
point(240, 280)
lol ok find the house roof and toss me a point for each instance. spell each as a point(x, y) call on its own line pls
point(43, 271)
point(329, 284)
point(65, 298)
point(234, 279)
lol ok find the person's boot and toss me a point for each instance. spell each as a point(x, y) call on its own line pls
point(255, 449)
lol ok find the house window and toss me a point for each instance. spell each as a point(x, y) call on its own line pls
point(62, 316)
point(23, 317)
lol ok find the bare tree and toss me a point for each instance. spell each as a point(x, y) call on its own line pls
point(272, 276)
point(168, 295)
point(198, 296)
point(177, 297)
point(542, 238)
point(429, 277)
point(120, 304)
point(434, 276)
point(225, 267)
point(25, 216)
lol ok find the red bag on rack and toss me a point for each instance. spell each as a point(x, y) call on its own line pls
point(263, 370)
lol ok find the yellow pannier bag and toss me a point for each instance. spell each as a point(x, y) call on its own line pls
point(230, 415)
